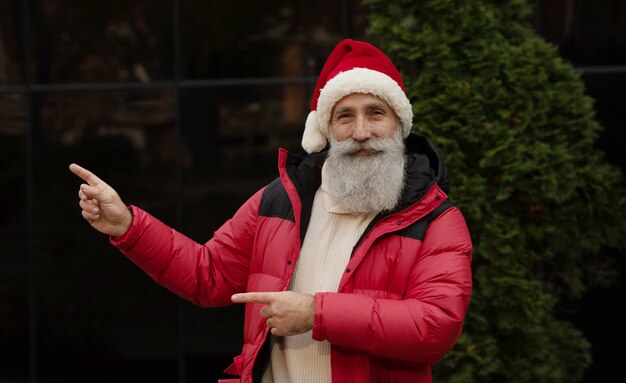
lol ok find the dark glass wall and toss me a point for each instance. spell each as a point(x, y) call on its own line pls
point(14, 265)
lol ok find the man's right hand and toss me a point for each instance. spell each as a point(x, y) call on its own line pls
point(102, 206)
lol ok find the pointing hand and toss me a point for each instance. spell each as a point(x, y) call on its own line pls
point(102, 206)
point(287, 312)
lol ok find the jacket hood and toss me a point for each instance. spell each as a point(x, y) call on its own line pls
point(424, 167)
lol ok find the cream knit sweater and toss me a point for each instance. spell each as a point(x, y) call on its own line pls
point(330, 237)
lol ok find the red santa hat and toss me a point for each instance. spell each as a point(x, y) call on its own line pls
point(354, 67)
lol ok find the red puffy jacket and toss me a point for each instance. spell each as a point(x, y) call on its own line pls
point(401, 301)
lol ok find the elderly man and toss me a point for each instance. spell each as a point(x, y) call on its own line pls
point(352, 264)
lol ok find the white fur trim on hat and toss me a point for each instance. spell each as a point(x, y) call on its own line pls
point(362, 80)
point(313, 140)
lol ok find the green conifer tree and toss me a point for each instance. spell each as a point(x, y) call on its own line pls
point(517, 133)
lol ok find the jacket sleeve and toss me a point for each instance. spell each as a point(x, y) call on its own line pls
point(206, 275)
point(425, 325)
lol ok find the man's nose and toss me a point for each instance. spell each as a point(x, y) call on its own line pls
point(361, 130)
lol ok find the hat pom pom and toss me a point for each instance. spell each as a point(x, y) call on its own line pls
point(313, 140)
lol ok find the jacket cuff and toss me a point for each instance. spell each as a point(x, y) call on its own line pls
point(319, 332)
point(128, 239)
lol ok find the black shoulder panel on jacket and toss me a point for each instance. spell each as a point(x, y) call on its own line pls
point(275, 202)
point(418, 229)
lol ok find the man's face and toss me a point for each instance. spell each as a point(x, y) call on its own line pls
point(366, 156)
point(361, 116)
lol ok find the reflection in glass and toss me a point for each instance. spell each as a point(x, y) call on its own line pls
point(10, 70)
point(272, 38)
point(102, 41)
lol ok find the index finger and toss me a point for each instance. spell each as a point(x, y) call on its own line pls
point(254, 297)
point(85, 175)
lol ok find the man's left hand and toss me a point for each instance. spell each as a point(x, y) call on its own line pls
point(287, 312)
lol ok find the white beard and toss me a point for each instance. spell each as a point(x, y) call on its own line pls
point(367, 184)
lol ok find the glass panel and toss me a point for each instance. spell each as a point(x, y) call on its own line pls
point(271, 38)
point(14, 291)
point(608, 92)
point(232, 133)
point(607, 89)
point(102, 41)
point(587, 32)
point(231, 137)
point(10, 60)
point(112, 322)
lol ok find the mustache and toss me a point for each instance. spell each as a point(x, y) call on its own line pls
point(371, 145)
